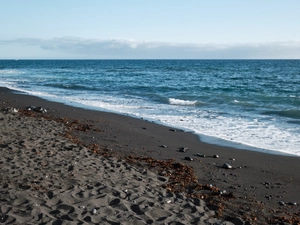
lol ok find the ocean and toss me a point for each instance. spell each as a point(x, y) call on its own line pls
point(247, 104)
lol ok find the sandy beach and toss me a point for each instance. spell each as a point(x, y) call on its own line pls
point(69, 165)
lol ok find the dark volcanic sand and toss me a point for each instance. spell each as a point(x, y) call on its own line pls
point(258, 181)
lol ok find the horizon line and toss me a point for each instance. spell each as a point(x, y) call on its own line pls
point(16, 59)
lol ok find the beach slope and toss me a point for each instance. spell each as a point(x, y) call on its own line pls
point(76, 166)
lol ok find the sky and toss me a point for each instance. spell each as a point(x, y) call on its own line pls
point(156, 29)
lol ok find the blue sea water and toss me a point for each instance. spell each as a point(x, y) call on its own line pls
point(253, 104)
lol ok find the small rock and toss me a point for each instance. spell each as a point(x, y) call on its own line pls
point(163, 146)
point(222, 192)
point(94, 211)
point(168, 201)
point(41, 110)
point(201, 155)
point(183, 149)
point(227, 166)
point(268, 197)
point(29, 108)
point(37, 109)
point(293, 203)
point(188, 158)
point(216, 156)
point(281, 203)
point(10, 110)
point(173, 130)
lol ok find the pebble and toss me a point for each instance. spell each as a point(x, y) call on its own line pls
point(281, 203)
point(11, 110)
point(227, 166)
point(37, 109)
point(183, 149)
point(94, 211)
point(293, 203)
point(31, 108)
point(222, 192)
point(163, 146)
point(268, 197)
point(188, 158)
point(216, 156)
point(201, 155)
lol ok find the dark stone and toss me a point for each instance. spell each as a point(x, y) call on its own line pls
point(227, 166)
point(188, 158)
point(201, 155)
point(183, 149)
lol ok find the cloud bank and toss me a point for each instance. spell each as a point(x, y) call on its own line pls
point(71, 47)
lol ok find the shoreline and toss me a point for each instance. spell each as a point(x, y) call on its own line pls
point(255, 179)
point(202, 138)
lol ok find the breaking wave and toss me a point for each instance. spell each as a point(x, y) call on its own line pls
point(174, 101)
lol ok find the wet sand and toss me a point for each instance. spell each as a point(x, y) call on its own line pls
point(50, 173)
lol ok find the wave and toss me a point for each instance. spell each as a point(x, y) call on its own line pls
point(174, 101)
point(292, 113)
point(75, 87)
point(10, 71)
point(294, 121)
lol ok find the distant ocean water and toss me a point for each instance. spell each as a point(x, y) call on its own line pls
point(253, 104)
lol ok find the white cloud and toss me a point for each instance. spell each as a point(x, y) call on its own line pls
point(72, 47)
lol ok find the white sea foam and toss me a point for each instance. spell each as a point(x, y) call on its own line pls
point(255, 134)
point(174, 101)
point(6, 83)
point(260, 133)
point(35, 93)
point(111, 104)
point(11, 71)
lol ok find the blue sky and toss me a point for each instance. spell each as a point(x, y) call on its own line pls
point(140, 29)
